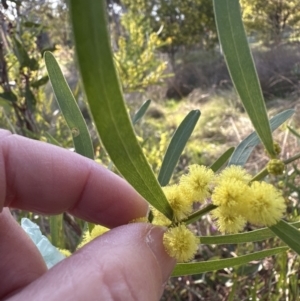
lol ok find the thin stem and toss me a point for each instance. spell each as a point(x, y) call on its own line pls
point(196, 215)
point(264, 172)
point(292, 159)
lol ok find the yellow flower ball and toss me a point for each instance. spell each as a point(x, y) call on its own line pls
point(228, 222)
point(196, 184)
point(267, 205)
point(181, 206)
point(181, 243)
point(233, 196)
point(234, 172)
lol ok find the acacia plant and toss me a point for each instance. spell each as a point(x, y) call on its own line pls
point(232, 196)
point(136, 56)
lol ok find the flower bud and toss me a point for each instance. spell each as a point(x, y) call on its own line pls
point(275, 167)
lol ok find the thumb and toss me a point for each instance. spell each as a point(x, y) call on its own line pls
point(126, 263)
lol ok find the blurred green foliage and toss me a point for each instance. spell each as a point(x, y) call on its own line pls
point(26, 107)
point(136, 59)
point(21, 78)
point(272, 21)
point(180, 23)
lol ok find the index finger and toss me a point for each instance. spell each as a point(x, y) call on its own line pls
point(46, 179)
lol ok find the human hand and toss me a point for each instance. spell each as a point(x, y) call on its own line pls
point(127, 263)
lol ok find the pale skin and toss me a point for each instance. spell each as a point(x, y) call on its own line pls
point(127, 263)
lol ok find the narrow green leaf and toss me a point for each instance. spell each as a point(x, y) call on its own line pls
point(222, 160)
point(137, 116)
point(20, 52)
point(10, 96)
point(106, 102)
point(194, 268)
point(69, 108)
point(261, 175)
point(51, 139)
point(40, 82)
point(90, 226)
point(241, 67)
point(256, 235)
point(245, 148)
point(32, 24)
point(5, 104)
point(288, 234)
point(176, 146)
point(56, 231)
point(29, 98)
point(198, 214)
point(295, 133)
point(141, 111)
point(292, 159)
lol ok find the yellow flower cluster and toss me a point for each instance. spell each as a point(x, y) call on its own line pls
point(179, 241)
point(238, 200)
point(193, 187)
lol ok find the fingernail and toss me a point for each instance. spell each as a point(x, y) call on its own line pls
point(154, 240)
